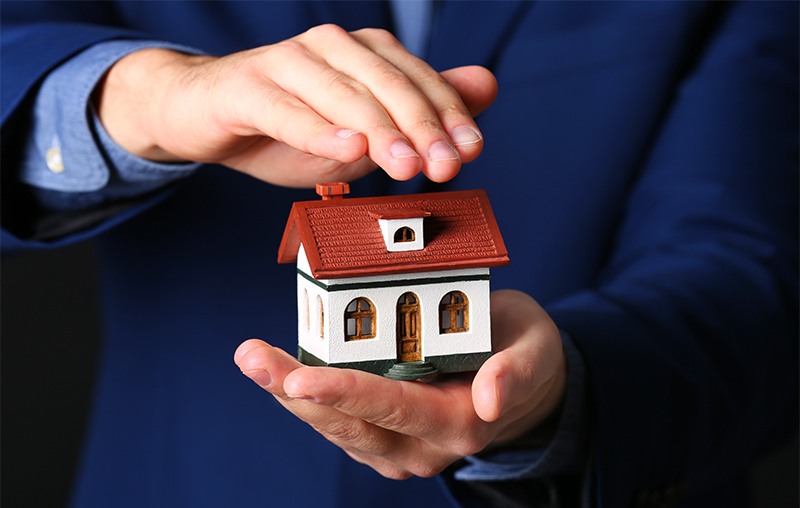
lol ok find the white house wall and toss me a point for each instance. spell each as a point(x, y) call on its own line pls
point(384, 345)
point(334, 349)
point(308, 337)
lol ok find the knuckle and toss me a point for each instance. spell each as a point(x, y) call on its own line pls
point(346, 88)
point(356, 438)
point(452, 109)
point(424, 125)
point(327, 31)
point(469, 445)
point(290, 49)
point(376, 447)
point(347, 433)
point(273, 99)
point(391, 471)
point(430, 77)
point(306, 143)
point(279, 104)
point(427, 469)
point(399, 417)
point(391, 76)
point(378, 35)
point(398, 474)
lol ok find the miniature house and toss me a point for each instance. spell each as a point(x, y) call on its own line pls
point(397, 286)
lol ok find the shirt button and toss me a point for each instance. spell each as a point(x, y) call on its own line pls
point(54, 161)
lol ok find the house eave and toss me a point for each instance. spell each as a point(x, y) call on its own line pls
point(407, 268)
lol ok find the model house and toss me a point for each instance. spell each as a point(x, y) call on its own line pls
point(397, 286)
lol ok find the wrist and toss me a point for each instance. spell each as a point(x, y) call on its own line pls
point(132, 100)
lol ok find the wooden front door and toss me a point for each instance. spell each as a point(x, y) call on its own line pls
point(408, 339)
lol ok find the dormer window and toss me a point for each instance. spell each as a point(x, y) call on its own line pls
point(404, 234)
point(401, 228)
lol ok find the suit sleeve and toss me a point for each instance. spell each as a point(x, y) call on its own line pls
point(38, 48)
point(690, 335)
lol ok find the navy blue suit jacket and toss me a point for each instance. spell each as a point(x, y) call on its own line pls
point(642, 161)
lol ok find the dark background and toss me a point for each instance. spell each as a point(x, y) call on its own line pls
point(49, 340)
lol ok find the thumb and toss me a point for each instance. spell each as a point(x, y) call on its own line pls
point(526, 375)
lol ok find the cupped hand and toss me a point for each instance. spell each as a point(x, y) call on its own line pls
point(402, 428)
point(326, 105)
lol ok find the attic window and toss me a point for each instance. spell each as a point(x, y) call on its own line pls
point(404, 234)
point(402, 228)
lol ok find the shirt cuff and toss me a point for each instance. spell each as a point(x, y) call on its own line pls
point(565, 454)
point(69, 151)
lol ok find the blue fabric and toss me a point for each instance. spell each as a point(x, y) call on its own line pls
point(63, 120)
point(412, 21)
point(641, 159)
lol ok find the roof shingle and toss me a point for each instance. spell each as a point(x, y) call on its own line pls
point(343, 239)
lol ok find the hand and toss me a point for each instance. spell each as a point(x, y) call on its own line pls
point(326, 105)
point(402, 428)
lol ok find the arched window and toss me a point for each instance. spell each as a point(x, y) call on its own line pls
point(404, 234)
point(454, 313)
point(359, 320)
point(321, 317)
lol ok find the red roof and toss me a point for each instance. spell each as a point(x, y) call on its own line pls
point(342, 237)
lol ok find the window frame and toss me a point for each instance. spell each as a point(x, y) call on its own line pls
point(452, 308)
point(406, 235)
point(358, 315)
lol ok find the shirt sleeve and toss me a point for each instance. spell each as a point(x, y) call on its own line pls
point(69, 158)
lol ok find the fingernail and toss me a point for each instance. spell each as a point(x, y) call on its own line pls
point(345, 133)
point(261, 377)
point(402, 150)
point(465, 135)
point(441, 151)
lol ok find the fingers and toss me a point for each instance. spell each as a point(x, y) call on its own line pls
point(255, 103)
point(346, 101)
point(393, 454)
point(454, 111)
point(413, 119)
point(431, 112)
point(326, 94)
point(266, 365)
point(414, 409)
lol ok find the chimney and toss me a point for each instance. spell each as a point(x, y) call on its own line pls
point(333, 190)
